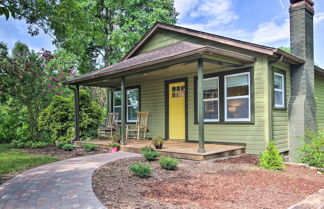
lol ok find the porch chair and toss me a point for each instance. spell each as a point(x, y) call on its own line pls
point(140, 129)
point(111, 123)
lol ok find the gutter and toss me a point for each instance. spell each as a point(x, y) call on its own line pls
point(270, 73)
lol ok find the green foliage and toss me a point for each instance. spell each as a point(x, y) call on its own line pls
point(285, 48)
point(168, 163)
point(14, 160)
point(114, 145)
point(95, 29)
point(157, 142)
point(60, 145)
point(271, 159)
point(150, 156)
point(20, 144)
point(39, 144)
point(116, 139)
point(147, 149)
point(142, 171)
point(90, 147)
point(58, 118)
point(312, 152)
point(68, 147)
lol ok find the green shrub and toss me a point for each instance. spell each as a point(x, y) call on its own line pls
point(68, 147)
point(20, 144)
point(116, 139)
point(169, 163)
point(58, 118)
point(142, 171)
point(90, 147)
point(39, 144)
point(114, 145)
point(60, 145)
point(157, 142)
point(147, 149)
point(270, 159)
point(312, 152)
point(150, 156)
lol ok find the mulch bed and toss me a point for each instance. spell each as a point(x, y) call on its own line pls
point(51, 151)
point(230, 183)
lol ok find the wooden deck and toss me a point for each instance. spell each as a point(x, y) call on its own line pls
point(177, 149)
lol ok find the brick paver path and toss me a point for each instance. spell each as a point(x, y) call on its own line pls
point(59, 185)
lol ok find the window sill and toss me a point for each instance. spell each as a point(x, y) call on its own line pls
point(228, 123)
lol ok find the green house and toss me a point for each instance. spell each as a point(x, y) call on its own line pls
point(201, 87)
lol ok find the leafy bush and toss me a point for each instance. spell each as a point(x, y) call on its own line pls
point(39, 144)
point(61, 144)
point(58, 118)
point(157, 142)
point(90, 147)
point(116, 139)
point(147, 149)
point(20, 144)
point(169, 163)
point(114, 145)
point(150, 156)
point(68, 147)
point(312, 152)
point(142, 171)
point(271, 159)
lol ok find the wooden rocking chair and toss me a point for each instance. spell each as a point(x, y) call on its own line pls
point(140, 129)
point(110, 125)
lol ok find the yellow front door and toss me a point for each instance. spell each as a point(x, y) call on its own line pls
point(177, 116)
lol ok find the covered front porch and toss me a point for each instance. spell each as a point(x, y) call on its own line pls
point(153, 74)
point(177, 149)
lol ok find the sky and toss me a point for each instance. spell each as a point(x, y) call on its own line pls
point(263, 22)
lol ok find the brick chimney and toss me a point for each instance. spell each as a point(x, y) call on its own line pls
point(302, 105)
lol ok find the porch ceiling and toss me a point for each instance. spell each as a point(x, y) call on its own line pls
point(164, 58)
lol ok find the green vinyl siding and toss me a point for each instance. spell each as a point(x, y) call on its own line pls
point(280, 116)
point(319, 97)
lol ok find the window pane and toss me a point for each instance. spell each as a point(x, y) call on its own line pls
point(118, 110)
point(132, 112)
point(117, 98)
point(132, 96)
point(237, 85)
point(211, 110)
point(279, 98)
point(211, 88)
point(238, 108)
point(278, 82)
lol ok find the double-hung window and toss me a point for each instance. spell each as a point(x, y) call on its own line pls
point(211, 99)
point(237, 97)
point(132, 104)
point(279, 90)
point(117, 103)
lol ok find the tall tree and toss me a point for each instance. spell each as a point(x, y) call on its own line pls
point(98, 32)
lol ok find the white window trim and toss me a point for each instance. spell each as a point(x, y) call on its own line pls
point(114, 106)
point(214, 99)
point(237, 97)
point(280, 90)
point(127, 105)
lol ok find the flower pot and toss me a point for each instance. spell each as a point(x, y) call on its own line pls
point(114, 149)
point(158, 146)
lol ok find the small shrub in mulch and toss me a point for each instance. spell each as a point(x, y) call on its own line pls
point(142, 171)
point(247, 159)
point(271, 158)
point(68, 147)
point(90, 147)
point(147, 149)
point(150, 156)
point(169, 163)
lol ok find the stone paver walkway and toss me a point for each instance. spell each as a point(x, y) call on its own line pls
point(59, 185)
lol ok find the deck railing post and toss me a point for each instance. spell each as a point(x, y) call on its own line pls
point(200, 93)
point(123, 109)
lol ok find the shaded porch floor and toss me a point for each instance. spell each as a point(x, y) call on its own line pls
point(177, 149)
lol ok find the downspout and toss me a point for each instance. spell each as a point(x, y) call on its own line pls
point(76, 113)
point(270, 75)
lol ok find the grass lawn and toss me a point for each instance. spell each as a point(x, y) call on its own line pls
point(12, 160)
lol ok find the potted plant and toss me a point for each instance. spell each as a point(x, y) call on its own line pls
point(116, 139)
point(157, 142)
point(114, 147)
